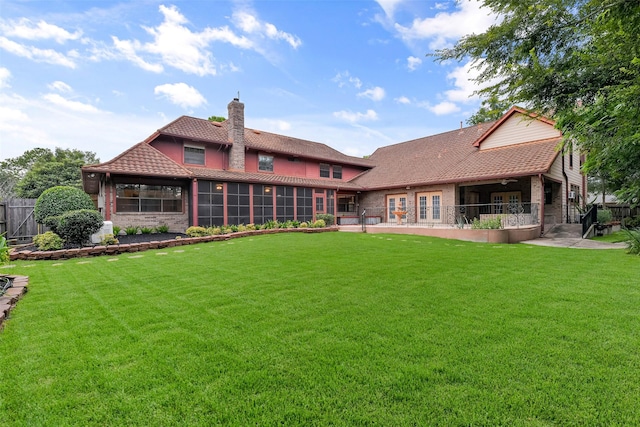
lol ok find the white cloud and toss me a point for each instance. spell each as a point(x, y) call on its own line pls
point(403, 100)
point(345, 78)
point(444, 108)
point(181, 94)
point(447, 27)
point(32, 123)
point(59, 86)
point(5, 75)
point(389, 6)
point(68, 104)
point(48, 56)
point(376, 94)
point(128, 48)
point(26, 29)
point(249, 23)
point(413, 63)
point(356, 117)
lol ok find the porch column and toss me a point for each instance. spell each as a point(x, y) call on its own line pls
point(194, 201)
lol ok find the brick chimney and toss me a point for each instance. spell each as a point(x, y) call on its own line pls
point(236, 134)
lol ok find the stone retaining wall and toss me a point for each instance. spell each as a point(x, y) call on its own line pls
point(138, 247)
point(9, 300)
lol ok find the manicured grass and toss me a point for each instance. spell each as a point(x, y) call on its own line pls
point(615, 237)
point(327, 329)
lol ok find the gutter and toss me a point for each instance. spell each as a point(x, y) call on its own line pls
point(566, 191)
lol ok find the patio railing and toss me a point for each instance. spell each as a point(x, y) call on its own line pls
point(512, 215)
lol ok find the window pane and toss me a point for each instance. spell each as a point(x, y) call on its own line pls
point(150, 205)
point(150, 191)
point(170, 205)
point(127, 190)
point(265, 163)
point(324, 170)
point(127, 205)
point(337, 172)
point(194, 155)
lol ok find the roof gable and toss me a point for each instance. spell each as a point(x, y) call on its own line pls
point(517, 126)
point(141, 159)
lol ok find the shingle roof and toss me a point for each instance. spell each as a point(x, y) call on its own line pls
point(451, 157)
point(266, 178)
point(206, 131)
point(143, 160)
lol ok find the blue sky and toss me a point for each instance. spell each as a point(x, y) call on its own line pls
point(102, 76)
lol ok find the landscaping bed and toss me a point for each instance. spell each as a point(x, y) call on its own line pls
point(143, 242)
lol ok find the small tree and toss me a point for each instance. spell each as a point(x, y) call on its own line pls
point(77, 226)
point(57, 200)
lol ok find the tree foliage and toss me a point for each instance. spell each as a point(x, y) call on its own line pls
point(56, 201)
point(216, 119)
point(40, 168)
point(491, 109)
point(576, 60)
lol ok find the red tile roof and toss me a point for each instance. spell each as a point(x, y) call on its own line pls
point(267, 178)
point(191, 128)
point(143, 160)
point(452, 157)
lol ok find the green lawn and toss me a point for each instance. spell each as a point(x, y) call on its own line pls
point(327, 329)
point(615, 237)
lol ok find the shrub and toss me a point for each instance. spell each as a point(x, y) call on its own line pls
point(604, 216)
point(53, 222)
point(4, 250)
point(319, 223)
point(48, 241)
point(162, 228)
point(487, 224)
point(304, 224)
point(251, 227)
point(131, 230)
point(633, 241)
point(214, 231)
point(196, 231)
point(328, 218)
point(57, 200)
point(146, 230)
point(631, 222)
point(269, 225)
point(78, 226)
point(116, 230)
point(109, 239)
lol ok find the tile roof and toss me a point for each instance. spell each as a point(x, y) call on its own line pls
point(143, 160)
point(451, 157)
point(273, 179)
point(203, 130)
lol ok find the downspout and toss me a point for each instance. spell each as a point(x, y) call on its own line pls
point(193, 208)
point(542, 201)
point(566, 191)
point(109, 205)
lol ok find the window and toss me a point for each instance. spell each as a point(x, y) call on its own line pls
point(330, 202)
point(324, 170)
point(505, 202)
point(148, 198)
point(265, 163)
point(194, 155)
point(284, 203)
point(571, 157)
point(262, 203)
point(238, 204)
point(337, 172)
point(304, 204)
point(210, 203)
point(320, 204)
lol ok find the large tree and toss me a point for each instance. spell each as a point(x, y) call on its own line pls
point(39, 169)
point(576, 60)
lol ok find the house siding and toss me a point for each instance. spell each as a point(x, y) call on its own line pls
point(518, 129)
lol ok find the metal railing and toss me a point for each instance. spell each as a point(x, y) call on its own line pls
point(588, 219)
point(512, 215)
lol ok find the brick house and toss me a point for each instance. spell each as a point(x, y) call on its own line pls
point(196, 172)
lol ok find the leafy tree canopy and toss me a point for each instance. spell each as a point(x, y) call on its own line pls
point(491, 109)
point(216, 119)
point(39, 169)
point(576, 60)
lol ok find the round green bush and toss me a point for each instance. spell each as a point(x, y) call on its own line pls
point(57, 200)
point(48, 241)
point(78, 226)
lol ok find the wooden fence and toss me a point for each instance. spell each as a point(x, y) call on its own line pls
point(17, 220)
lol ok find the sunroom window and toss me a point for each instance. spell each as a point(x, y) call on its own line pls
point(148, 198)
